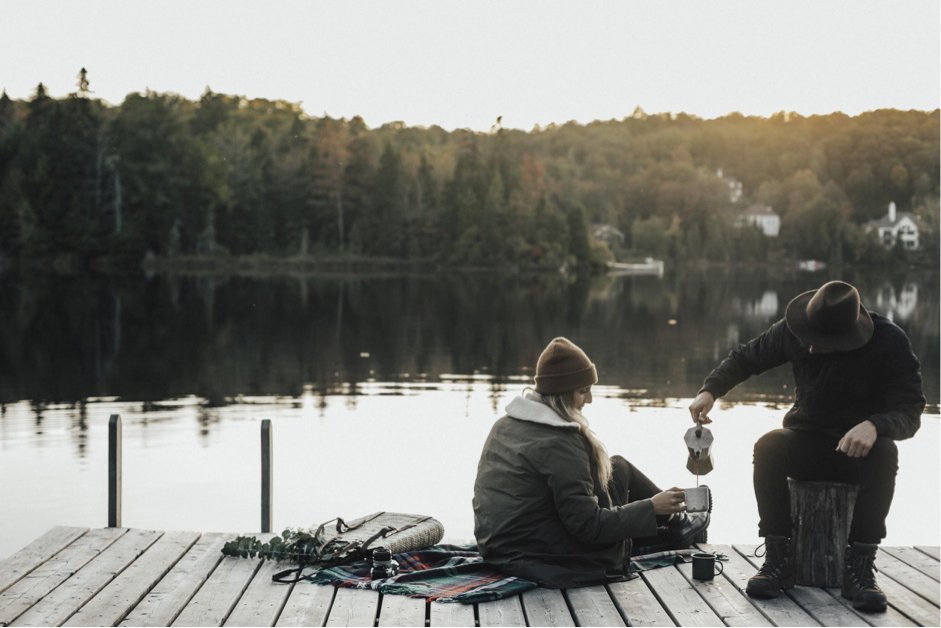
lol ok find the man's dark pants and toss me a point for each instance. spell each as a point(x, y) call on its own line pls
point(809, 455)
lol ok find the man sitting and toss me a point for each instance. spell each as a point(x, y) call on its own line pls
point(858, 390)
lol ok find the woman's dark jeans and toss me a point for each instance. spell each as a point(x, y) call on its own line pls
point(629, 484)
point(807, 455)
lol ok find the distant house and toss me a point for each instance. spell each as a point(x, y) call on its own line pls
point(895, 227)
point(733, 184)
point(762, 217)
point(610, 235)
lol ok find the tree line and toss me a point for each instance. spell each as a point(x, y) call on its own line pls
point(83, 183)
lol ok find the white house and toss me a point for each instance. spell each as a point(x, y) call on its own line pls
point(896, 226)
point(762, 217)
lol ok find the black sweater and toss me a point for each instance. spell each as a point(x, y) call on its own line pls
point(881, 381)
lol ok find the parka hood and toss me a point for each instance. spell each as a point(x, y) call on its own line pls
point(529, 407)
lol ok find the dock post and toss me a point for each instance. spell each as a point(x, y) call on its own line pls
point(266, 476)
point(114, 471)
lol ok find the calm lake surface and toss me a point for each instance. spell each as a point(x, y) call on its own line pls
point(381, 389)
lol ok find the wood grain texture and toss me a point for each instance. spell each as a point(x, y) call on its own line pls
point(593, 606)
point(890, 617)
point(450, 614)
point(165, 601)
point(67, 598)
point(36, 553)
point(909, 603)
point(401, 610)
point(915, 559)
point(354, 607)
point(39, 582)
point(680, 600)
point(307, 605)
point(506, 612)
point(546, 607)
point(931, 550)
point(262, 600)
point(908, 576)
point(639, 604)
point(110, 605)
point(217, 597)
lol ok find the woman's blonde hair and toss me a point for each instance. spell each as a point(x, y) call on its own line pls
point(564, 406)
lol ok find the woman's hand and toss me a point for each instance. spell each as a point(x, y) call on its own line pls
point(669, 501)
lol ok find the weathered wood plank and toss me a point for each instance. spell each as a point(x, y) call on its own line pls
point(729, 604)
point(781, 611)
point(262, 601)
point(307, 605)
point(110, 605)
point(219, 594)
point(593, 606)
point(546, 607)
point(814, 600)
point(505, 612)
point(67, 598)
point(931, 550)
point(354, 607)
point(165, 601)
point(910, 604)
point(36, 553)
point(680, 599)
point(35, 585)
point(908, 576)
point(401, 610)
point(917, 560)
point(450, 614)
point(638, 603)
point(890, 617)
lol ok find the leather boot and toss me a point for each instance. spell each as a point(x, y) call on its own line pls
point(687, 528)
point(859, 578)
point(777, 573)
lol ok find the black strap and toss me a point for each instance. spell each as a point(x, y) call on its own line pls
point(282, 576)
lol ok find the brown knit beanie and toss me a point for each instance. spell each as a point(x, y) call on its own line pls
point(562, 367)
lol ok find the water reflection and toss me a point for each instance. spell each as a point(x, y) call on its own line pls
point(218, 339)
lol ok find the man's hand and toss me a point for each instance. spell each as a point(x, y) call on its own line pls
point(701, 406)
point(857, 442)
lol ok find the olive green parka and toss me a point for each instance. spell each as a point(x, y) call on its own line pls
point(539, 510)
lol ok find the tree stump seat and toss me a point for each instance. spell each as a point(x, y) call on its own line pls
point(821, 513)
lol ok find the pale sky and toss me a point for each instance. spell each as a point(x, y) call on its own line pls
point(461, 64)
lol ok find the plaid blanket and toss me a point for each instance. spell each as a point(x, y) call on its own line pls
point(454, 573)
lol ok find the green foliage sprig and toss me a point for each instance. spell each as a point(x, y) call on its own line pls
point(299, 546)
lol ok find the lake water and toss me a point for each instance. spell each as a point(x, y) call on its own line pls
point(381, 390)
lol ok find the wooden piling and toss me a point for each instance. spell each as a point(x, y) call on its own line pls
point(114, 471)
point(267, 454)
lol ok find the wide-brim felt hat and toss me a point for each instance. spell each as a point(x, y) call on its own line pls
point(830, 318)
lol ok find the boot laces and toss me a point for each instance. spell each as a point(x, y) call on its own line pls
point(862, 570)
point(776, 561)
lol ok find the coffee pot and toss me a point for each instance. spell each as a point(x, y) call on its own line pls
point(699, 443)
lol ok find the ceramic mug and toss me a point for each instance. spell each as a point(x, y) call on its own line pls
point(704, 566)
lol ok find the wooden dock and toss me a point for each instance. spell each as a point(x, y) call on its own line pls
point(131, 577)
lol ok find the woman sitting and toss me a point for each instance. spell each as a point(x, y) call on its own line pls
point(549, 504)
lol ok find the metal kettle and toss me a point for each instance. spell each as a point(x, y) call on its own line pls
point(699, 443)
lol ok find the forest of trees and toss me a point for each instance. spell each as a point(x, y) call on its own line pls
point(85, 184)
